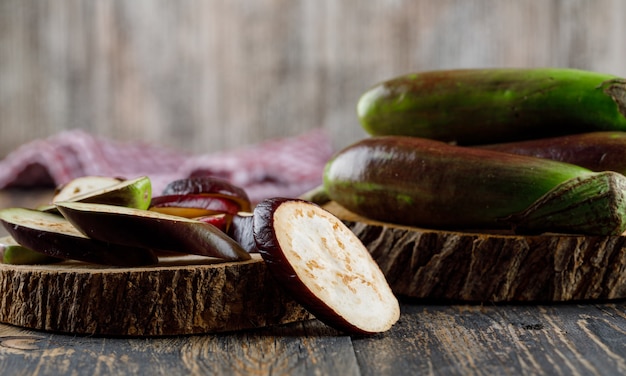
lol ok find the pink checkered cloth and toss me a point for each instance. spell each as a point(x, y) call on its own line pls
point(285, 167)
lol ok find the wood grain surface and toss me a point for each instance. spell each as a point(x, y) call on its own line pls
point(181, 295)
point(567, 338)
point(572, 339)
point(207, 76)
point(493, 267)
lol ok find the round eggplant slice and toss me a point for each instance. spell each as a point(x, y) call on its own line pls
point(324, 265)
point(149, 229)
point(209, 185)
point(54, 236)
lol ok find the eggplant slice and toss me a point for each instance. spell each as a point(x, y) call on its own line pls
point(54, 236)
point(324, 265)
point(210, 185)
point(11, 252)
point(150, 229)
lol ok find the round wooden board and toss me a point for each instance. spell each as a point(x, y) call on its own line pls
point(482, 267)
point(181, 295)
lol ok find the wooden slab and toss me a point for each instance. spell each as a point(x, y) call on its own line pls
point(482, 267)
point(182, 295)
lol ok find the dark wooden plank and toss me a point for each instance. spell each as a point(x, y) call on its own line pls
point(429, 339)
point(488, 340)
point(309, 348)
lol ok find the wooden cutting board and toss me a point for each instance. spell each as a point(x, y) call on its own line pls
point(491, 267)
point(182, 295)
point(196, 295)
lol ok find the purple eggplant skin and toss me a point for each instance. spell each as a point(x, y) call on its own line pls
point(421, 182)
point(19, 255)
point(209, 185)
point(272, 253)
point(597, 151)
point(241, 230)
point(154, 231)
point(80, 248)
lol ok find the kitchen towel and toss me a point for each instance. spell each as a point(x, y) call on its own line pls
point(282, 167)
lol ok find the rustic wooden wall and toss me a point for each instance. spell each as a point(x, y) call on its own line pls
point(209, 75)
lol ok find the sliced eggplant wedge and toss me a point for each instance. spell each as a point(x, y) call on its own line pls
point(54, 236)
point(324, 265)
point(193, 205)
point(134, 193)
point(241, 230)
point(149, 229)
point(83, 185)
point(222, 220)
point(13, 253)
point(209, 185)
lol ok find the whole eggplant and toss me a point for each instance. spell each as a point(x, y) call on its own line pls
point(597, 151)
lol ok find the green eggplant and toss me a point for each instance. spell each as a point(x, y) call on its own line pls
point(432, 184)
point(483, 106)
point(597, 151)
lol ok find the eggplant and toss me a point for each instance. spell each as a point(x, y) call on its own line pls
point(52, 235)
point(492, 105)
point(596, 151)
point(193, 205)
point(11, 252)
point(324, 266)
point(209, 185)
point(83, 185)
point(221, 221)
point(241, 230)
point(133, 193)
point(426, 183)
point(149, 229)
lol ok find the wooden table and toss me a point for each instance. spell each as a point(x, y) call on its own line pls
point(430, 338)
